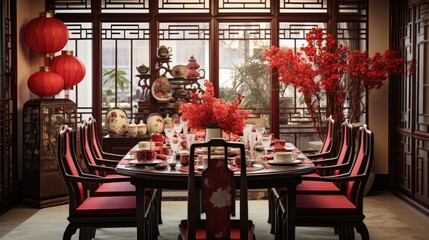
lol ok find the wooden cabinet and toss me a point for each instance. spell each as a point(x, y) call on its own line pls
point(43, 183)
point(120, 144)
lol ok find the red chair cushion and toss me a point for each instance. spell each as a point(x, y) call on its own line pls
point(201, 229)
point(115, 176)
point(116, 189)
point(316, 186)
point(318, 204)
point(109, 206)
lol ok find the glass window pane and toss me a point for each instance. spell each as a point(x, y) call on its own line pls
point(295, 121)
point(124, 47)
point(241, 67)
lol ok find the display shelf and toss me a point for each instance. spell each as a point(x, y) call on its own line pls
point(179, 87)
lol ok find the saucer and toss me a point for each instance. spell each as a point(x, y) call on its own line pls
point(271, 162)
point(142, 163)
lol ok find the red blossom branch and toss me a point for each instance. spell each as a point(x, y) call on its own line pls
point(207, 111)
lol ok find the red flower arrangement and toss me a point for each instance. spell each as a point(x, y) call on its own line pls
point(207, 111)
point(329, 77)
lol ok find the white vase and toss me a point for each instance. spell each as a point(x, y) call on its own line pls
point(133, 129)
point(116, 121)
point(142, 128)
point(213, 133)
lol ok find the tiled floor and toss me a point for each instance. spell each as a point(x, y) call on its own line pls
point(387, 217)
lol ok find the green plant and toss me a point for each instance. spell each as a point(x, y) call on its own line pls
point(252, 80)
point(110, 77)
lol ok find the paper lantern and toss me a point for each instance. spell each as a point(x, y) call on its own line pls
point(69, 67)
point(46, 34)
point(45, 83)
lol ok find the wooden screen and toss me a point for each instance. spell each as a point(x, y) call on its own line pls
point(8, 116)
point(410, 102)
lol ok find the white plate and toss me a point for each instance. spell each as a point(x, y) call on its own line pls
point(161, 89)
point(261, 148)
point(179, 71)
point(271, 162)
point(288, 148)
point(141, 163)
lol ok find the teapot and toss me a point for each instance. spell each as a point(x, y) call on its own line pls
point(142, 69)
point(163, 51)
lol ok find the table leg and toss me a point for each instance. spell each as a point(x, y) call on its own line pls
point(291, 203)
point(141, 209)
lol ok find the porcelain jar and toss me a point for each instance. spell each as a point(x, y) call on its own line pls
point(133, 129)
point(192, 67)
point(142, 128)
point(116, 121)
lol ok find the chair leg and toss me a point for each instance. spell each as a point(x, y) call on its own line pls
point(362, 230)
point(346, 232)
point(159, 200)
point(270, 206)
point(69, 232)
point(86, 233)
point(92, 234)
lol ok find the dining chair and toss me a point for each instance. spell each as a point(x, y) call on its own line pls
point(95, 144)
point(328, 147)
point(336, 166)
point(342, 210)
point(88, 211)
point(97, 166)
point(106, 168)
point(217, 183)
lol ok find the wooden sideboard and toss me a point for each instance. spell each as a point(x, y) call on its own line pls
point(121, 144)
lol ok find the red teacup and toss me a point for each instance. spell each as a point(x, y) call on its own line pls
point(146, 155)
point(156, 137)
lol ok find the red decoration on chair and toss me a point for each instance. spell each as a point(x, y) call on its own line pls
point(45, 83)
point(46, 34)
point(69, 67)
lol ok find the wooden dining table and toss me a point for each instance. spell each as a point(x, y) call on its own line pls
point(267, 176)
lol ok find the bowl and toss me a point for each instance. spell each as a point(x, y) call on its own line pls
point(172, 165)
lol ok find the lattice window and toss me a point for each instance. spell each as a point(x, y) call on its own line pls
point(129, 6)
point(8, 118)
point(80, 42)
point(242, 31)
point(353, 7)
point(186, 40)
point(70, 6)
point(255, 6)
point(124, 47)
point(422, 94)
point(293, 110)
point(241, 67)
point(185, 6)
point(303, 6)
point(182, 31)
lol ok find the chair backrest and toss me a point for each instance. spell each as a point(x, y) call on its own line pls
point(217, 186)
point(347, 145)
point(95, 144)
point(85, 144)
point(328, 143)
point(362, 165)
point(67, 161)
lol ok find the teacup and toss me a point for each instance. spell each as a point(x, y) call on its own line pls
point(237, 161)
point(184, 159)
point(146, 155)
point(156, 137)
point(146, 145)
point(285, 157)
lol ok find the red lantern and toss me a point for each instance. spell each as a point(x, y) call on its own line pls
point(45, 83)
point(46, 34)
point(69, 67)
